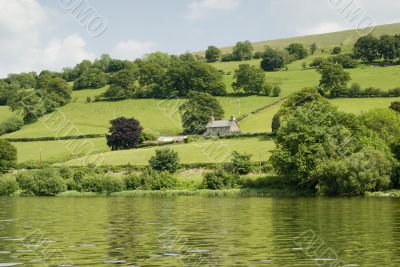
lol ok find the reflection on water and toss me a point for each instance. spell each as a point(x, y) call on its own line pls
point(199, 231)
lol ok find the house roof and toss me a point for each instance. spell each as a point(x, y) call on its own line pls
point(220, 124)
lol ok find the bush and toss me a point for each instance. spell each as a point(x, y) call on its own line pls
point(66, 172)
point(113, 184)
point(165, 160)
point(146, 136)
point(8, 156)
point(151, 180)
point(11, 125)
point(46, 182)
point(219, 180)
point(92, 183)
point(346, 61)
point(367, 170)
point(297, 51)
point(27, 183)
point(240, 164)
point(49, 183)
point(395, 106)
point(276, 91)
point(317, 62)
point(133, 182)
point(336, 50)
point(8, 185)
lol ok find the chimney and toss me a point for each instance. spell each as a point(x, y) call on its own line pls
point(212, 119)
point(233, 118)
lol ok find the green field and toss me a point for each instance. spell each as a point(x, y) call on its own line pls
point(358, 105)
point(206, 151)
point(58, 151)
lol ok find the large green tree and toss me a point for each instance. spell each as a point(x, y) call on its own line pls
point(250, 79)
point(183, 77)
point(92, 78)
point(198, 110)
point(333, 78)
point(243, 51)
point(272, 60)
point(388, 47)
point(367, 48)
point(297, 50)
point(213, 54)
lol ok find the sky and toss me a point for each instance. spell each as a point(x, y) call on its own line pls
point(52, 34)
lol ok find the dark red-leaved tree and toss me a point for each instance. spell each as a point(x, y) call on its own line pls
point(124, 133)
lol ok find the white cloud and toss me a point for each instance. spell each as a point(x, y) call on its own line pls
point(132, 49)
point(201, 8)
point(324, 27)
point(20, 16)
point(22, 25)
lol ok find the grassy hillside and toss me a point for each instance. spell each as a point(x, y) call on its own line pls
point(206, 151)
point(162, 116)
point(5, 113)
point(327, 40)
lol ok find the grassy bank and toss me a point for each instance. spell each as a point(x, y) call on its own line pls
point(392, 193)
point(207, 193)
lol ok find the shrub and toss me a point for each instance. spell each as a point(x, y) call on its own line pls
point(240, 164)
point(133, 182)
point(297, 50)
point(317, 62)
point(8, 156)
point(8, 185)
point(346, 61)
point(220, 180)
point(27, 183)
point(72, 185)
point(46, 182)
point(113, 184)
point(66, 172)
point(146, 136)
point(336, 50)
point(395, 106)
point(151, 180)
point(165, 160)
point(11, 125)
point(276, 91)
point(367, 170)
point(92, 183)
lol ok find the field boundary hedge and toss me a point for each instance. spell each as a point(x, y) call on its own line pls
point(244, 116)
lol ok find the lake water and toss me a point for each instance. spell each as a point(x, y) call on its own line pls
point(199, 231)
